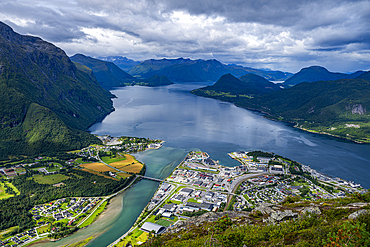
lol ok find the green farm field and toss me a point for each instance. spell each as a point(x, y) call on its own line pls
point(49, 179)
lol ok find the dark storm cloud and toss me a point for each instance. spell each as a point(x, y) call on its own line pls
point(279, 34)
point(55, 25)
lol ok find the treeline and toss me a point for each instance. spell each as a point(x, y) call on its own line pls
point(64, 231)
point(15, 210)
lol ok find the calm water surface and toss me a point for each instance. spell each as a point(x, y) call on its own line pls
point(187, 122)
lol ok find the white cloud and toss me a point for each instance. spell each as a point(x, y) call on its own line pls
point(276, 34)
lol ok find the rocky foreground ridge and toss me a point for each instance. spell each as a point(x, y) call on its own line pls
point(298, 223)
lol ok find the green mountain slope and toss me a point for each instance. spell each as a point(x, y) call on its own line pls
point(35, 71)
point(338, 107)
point(107, 73)
point(45, 132)
point(186, 70)
point(365, 76)
point(229, 88)
point(317, 73)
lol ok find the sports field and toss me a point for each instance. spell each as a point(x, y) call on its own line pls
point(49, 179)
point(165, 223)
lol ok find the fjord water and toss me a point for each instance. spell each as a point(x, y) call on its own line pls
point(187, 122)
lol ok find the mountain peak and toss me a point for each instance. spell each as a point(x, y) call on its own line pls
point(315, 67)
point(107, 73)
point(316, 73)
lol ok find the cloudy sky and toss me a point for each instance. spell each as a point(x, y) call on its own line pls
point(277, 34)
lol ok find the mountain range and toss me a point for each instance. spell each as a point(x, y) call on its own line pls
point(334, 107)
point(228, 87)
point(46, 101)
point(317, 73)
point(187, 70)
point(123, 63)
point(107, 73)
point(110, 76)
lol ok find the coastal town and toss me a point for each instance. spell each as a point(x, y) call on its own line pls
point(50, 218)
point(197, 185)
point(57, 218)
point(200, 184)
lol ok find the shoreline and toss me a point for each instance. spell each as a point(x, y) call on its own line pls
point(294, 125)
point(133, 227)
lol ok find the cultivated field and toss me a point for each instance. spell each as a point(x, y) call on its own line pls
point(99, 167)
point(130, 164)
point(135, 168)
point(123, 175)
point(98, 173)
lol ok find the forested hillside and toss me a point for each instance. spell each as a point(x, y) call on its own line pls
point(229, 88)
point(36, 73)
point(107, 73)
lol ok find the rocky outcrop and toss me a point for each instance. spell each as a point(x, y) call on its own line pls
point(357, 109)
point(267, 208)
point(207, 217)
point(311, 210)
point(279, 216)
point(269, 213)
point(358, 213)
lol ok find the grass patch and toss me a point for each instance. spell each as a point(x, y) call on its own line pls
point(163, 222)
point(193, 200)
point(49, 179)
point(92, 218)
point(80, 161)
point(3, 187)
point(8, 232)
point(43, 229)
point(123, 175)
point(110, 159)
point(80, 243)
point(3, 194)
point(135, 238)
